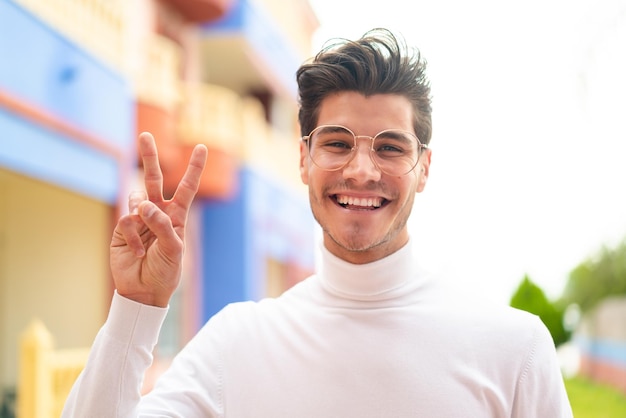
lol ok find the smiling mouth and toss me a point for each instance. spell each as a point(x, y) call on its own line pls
point(361, 203)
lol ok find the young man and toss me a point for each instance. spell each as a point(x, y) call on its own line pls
point(370, 334)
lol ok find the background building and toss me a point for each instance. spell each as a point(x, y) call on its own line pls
point(78, 81)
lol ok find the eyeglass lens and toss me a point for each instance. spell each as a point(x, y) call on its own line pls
point(394, 151)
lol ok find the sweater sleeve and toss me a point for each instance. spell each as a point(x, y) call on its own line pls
point(110, 384)
point(540, 388)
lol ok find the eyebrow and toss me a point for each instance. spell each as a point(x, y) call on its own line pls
point(394, 134)
point(334, 128)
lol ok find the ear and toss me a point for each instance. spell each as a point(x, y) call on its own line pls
point(304, 163)
point(423, 166)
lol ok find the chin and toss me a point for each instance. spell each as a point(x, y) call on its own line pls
point(357, 243)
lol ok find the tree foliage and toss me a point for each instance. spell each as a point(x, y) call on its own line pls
point(529, 297)
point(597, 277)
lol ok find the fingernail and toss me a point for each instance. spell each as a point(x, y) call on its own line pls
point(147, 210)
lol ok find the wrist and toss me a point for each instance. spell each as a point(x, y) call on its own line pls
point(158, 301)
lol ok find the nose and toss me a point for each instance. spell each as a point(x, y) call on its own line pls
point(361, 166)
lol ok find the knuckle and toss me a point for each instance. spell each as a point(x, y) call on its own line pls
point(125, 222)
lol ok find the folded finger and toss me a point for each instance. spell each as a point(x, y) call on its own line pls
point(160, 225)
point(127, 233)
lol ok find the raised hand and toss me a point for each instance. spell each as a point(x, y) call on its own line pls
point(147, 246)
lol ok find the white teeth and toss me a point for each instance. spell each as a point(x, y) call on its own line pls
point(374, 202)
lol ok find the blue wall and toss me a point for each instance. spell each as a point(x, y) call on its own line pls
point(28, 149)
point(223, 254)
point(264, 220)
point(604, 350)
point(44, 70)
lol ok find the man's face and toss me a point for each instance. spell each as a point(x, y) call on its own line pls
point(375, 224)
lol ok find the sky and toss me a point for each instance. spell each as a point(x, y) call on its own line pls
point(529, 143)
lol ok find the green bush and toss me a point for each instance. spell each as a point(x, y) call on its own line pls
point(529, 297)
point(596, 278)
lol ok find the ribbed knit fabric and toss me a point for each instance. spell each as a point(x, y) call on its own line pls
point(377, 340)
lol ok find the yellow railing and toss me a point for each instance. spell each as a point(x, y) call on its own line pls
point(46, 375)
point(97, 25)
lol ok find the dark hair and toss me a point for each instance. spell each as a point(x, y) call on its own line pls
point(377, 63)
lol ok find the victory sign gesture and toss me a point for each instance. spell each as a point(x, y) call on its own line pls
point(147, 246)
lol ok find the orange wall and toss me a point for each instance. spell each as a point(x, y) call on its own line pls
point(219, 179)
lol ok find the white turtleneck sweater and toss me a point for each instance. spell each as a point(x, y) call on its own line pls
point(375, 340)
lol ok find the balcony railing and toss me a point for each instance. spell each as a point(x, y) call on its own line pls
point(208, 114)
point(220, 118)
point(99, 26)
point(211, 115)
point(267, 148)
point(156, 74)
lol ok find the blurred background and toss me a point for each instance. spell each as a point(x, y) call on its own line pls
point(525, 203)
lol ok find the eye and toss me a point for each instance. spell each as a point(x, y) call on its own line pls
point(332, 139)
point(391, 148)
point(336, 143)
point(388, 148)
point(390, 144)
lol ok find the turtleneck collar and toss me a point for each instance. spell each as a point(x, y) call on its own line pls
point(383, 279)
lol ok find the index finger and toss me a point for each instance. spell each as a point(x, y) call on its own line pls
point(188, 186)
point(153, 177)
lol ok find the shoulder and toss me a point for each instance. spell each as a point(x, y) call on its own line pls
point(271, 308)
point(496, 323)
point(507, 319)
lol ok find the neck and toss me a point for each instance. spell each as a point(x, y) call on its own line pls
point(377, 280)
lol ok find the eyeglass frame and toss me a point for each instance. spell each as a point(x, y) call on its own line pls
point(420, 148)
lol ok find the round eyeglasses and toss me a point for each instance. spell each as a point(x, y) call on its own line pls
point(393, 151)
